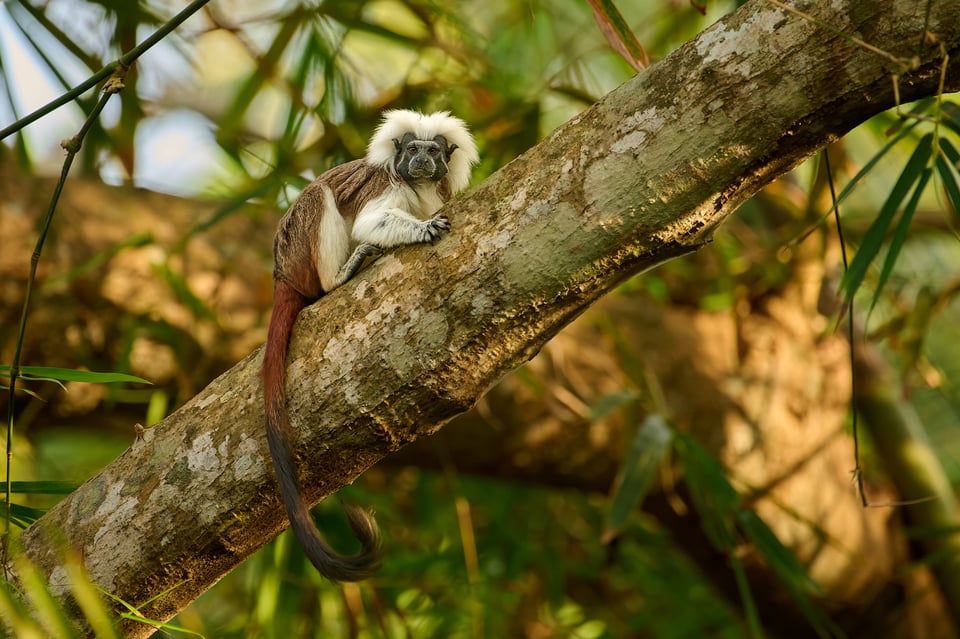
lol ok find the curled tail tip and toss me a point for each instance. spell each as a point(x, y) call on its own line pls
point(344, 568)
point(365, 527)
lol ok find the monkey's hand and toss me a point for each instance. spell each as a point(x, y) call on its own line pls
point(435, 227)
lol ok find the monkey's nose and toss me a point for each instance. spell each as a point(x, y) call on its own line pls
point(420, 168)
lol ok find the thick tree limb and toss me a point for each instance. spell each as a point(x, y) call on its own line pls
point(643, 176)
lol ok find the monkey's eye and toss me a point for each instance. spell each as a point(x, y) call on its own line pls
point(412, 150)
point(432, 150)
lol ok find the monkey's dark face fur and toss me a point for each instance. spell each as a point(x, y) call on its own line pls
point(422, 160)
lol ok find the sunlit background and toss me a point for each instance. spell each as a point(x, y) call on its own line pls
point(738, 351)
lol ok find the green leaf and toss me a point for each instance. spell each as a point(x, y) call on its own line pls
point(133, 613)
point(234, 205)
point(45, 609)
point(951, 116)
point(876, 234)
point(609, 403)
point(618, 33)
point(23, 516)
point(900, 235)
point(931, 532)
point(133, 616)
point(648, 450)
point(231, 121)
point(719, 301)
point(783, 562)
point(746, 596)
point(949, 171)
point(53, 374)
point(157, 406)
point(848, 189)
point(901, 119)
point(135, 241)
point(87, 597)
point(713, 497)
point(184, 294)
point(788, 569)
point(46, 487)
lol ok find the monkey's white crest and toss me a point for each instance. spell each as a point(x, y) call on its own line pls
point(396, 123)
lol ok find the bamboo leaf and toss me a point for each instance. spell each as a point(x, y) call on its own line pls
point(648, 450)
point(916, 327)
point(754, 624)
point(185, 295)
point(47, 611)
point(232, 206)
point(932, 531)
point(611, 402)
point(875, 235)
point(13, 607)
point(55, 374)
point(779, 557)
point(900, 235)
point(265, 71)
point(789, 570)
point(920, 107)
point(714, 499)
point(951, 116)
point(87, 597)
point(848, 189)
point(618, 33)
point(135, 241)
point(133, 613)
point(949, 171)
point(23, 516)
point(45, 487)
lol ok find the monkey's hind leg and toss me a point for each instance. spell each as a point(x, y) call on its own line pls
point(355, 261)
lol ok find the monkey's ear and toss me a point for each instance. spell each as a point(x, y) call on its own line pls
point(396, 144)
point(450, 150)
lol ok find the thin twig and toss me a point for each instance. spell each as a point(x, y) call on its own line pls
point(901, 62)
point(125, 60)
point(857, 472)
point(72, 146)
point(113, 75)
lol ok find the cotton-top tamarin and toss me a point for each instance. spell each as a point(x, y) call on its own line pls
point(414, 164)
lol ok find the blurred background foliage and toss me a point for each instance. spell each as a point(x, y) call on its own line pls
point(246, 102)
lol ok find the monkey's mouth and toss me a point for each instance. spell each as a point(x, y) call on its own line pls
point(420, 172)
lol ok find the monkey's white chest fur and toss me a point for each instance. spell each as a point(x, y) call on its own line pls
point(396, 217)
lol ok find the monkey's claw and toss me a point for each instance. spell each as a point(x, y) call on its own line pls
point(435, 227)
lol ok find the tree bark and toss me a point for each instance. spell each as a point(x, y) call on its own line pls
point(645, 175)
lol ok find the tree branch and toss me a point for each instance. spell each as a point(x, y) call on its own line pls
point(643, 176)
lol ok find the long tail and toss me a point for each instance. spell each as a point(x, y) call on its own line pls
point(287, 304)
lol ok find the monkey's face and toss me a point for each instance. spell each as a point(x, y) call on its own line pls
point(422, 160)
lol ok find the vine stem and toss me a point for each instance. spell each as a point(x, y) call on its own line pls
point(112, 76)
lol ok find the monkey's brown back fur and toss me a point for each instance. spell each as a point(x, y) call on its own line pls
point(295, 246)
